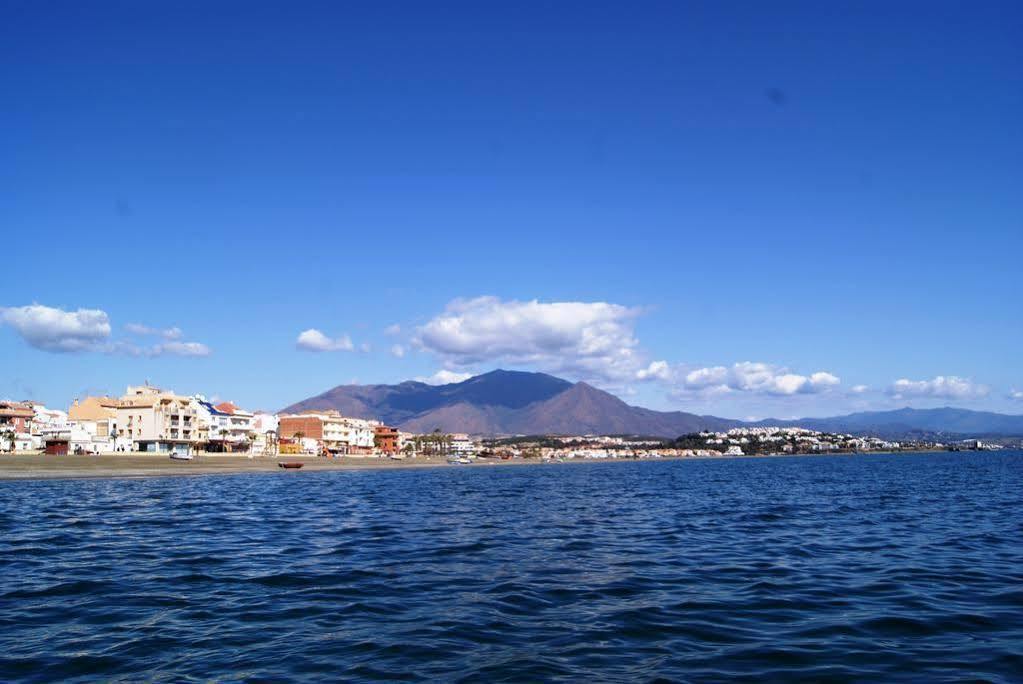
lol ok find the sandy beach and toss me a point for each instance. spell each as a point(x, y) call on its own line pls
point(21, 466)
point(39, 466)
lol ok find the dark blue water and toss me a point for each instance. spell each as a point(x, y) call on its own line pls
point(868, 567)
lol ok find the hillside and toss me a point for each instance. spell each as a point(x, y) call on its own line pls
point(894, 424)
point(512, 402)
point(505, 402)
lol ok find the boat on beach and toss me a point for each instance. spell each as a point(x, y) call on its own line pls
point(182, 457)
point(459, 460)
point(290, 465)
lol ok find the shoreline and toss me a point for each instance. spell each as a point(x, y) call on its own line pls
point(39, 466)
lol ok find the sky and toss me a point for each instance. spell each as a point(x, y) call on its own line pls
point(741, 209)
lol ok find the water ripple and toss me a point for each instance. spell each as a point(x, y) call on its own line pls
point(895, 568)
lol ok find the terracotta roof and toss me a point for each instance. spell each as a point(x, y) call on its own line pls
point(226, 407)
point(13, 408)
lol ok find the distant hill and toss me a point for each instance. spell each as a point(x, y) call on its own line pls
point(506, 403)
point(900, 422)
point(512, 402)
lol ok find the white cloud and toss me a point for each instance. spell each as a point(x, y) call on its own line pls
point(1016, 395)
point(166, 333)
point(657, 370)
point(179, 349)
point(398, 351)
point(444, 377)
point(859, 389)
point(56, 330)
point(941, 387)
point(392, 330)
point(822, 380)
point(590, 340)
point(88, 330)
point(755, 378)
point(315, 341)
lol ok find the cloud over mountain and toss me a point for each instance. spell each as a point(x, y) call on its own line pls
point(941, 387)
point(315, 341)
point(444, 377)
point(592, 340)
point(756, 378)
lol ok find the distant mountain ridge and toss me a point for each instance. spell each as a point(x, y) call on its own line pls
point(506, 403)
point(937, 421)
point(514, 402)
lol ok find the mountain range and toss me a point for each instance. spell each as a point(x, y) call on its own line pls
point(514, 402)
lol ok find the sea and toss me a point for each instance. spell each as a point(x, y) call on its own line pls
point(842, 568)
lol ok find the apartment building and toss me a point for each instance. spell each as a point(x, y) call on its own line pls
point(462, 445)
point(322, 427)
point(223, 427)
point(16, 426)
point(17, 416)
point(359, 435)
point(386, 439)
point(264, 429)
point(340, 435)
point(238, 426)
point(151, 419)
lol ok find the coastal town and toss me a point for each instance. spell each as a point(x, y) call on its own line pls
point(150, 420)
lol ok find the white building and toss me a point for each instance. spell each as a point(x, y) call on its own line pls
point(461, 445)
point(237, 427)
point(358, 434)
point(264, 428)
point(225, 427)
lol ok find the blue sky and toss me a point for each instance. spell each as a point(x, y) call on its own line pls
point(746, 209)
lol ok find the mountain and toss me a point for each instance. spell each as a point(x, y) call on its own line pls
point(906, 421)
point(513, 402)
point(505, 403)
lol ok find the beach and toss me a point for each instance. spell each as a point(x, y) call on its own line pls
point(41, 466)
point(19, 466)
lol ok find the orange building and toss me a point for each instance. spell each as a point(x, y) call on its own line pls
point(385, 439)
point(310, 426)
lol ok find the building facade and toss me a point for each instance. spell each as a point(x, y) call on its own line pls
point(340, 435)
point(16, 420)
point(387, 440)
point(154, 420)
point(92, 424)
point(462, 445)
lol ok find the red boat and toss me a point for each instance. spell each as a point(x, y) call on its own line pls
point(290, 465)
